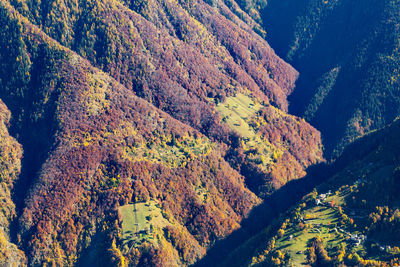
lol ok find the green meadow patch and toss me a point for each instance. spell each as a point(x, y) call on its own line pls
point(237, 112)
point(141, 222)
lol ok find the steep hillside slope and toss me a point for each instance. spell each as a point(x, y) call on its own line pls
point(186, 58)
point(351, 219)
point(347, 53)
point(199, 50)
point(137, 122)
point(10, 167)
point(91, 146)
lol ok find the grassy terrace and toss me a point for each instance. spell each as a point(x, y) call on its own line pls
point(322, 224)
point(171, 152)
point(237, 112)
point(140, 222)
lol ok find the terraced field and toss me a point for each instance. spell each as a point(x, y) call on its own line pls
point(141, 222)
point(237, 112)
point(170, 151)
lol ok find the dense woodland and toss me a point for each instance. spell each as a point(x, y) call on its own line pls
point(347, 54)
point(181, 57)
point(88, 143)
point(143, 133)
point(10, 164)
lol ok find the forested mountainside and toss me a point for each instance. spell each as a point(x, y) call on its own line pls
point(10, 162)
point(352, 219)
point(186, 58)
point(347, 53)
point(138, 133)
point(141, 133)
point(105, 148)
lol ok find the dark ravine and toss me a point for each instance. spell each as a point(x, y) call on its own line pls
point(32, 123)
point(347, 56)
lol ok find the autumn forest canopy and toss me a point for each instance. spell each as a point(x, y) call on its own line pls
point(200, 132)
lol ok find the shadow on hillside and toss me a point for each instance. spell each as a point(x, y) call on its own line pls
point(262, 215)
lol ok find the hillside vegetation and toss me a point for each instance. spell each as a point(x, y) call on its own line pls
point(351, 219)
point(347, 53)
point(105, 149)
point(270, 147)
point(115, 105)
point(179, 55)
point(10, 168)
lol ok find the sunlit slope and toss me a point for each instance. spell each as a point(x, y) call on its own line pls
point(351, 219)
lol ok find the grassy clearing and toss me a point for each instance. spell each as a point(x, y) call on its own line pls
point(324, 221)
point(322, 224)
point(237, 112)
point(170, 151)
point(140, 221)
